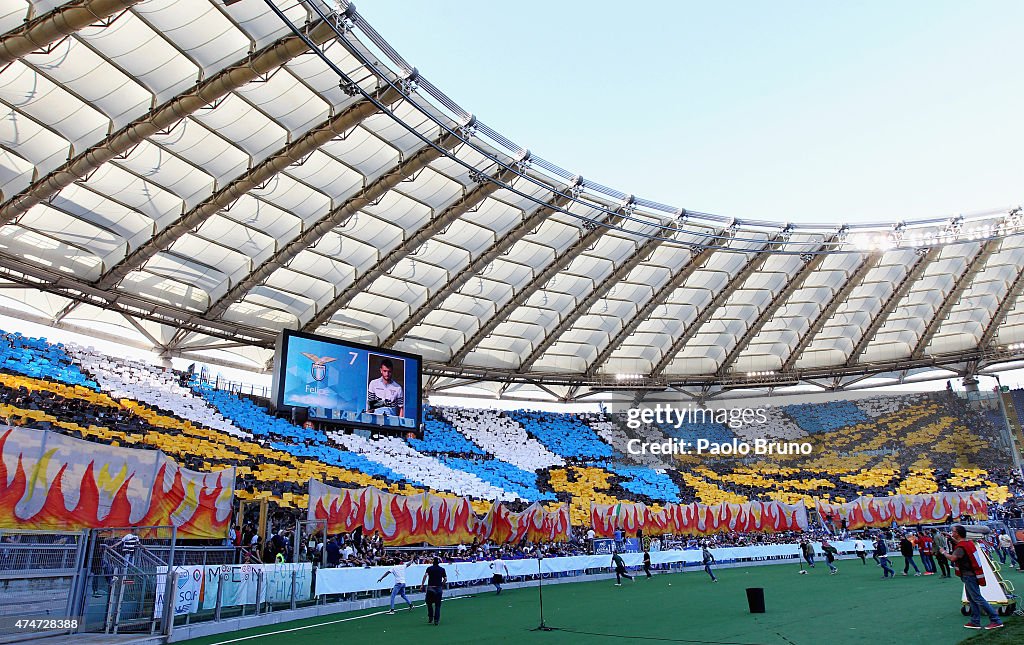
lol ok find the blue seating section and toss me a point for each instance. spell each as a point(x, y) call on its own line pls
point(1017, 396)
point(442, 437)
point(36, 358)
point(690, 431)
point(824, 417)
point(246, 414)
point(995, 417)
point(343, 458)
point(505, 476)
point(563, 434)
point(647, 481)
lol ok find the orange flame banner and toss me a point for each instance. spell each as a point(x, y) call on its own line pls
point(51, 481)
point(401, 519)
point(439, 521)
point(535, 524)
point(697, 519)
point(928, 508)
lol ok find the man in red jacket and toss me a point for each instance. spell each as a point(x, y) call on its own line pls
point(968, 566)
point(924, 545)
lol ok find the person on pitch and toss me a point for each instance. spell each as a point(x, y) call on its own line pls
point(434, 580)
point(647, 562)
point(808, 551)
point(708, 560)
point(830, 556)
point(861, 550)
point(882, 555)
point(620, 569)
point(500, 570)
point(967, 560)
point(398, 571)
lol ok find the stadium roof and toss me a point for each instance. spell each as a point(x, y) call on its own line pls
point(196, 177)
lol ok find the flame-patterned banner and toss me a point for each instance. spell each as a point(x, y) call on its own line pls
point(400, 519)
point(535, 524)
point(929, 508)
point(51, 481)
point(436, 520)
point(697, 519)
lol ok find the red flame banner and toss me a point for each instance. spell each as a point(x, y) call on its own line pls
point(697, 519)
point(535, 524)
point(929, 508)
point(51, 481)
point(400, 519)
point(439, 521)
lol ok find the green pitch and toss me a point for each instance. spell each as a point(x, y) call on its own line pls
point(856, 606)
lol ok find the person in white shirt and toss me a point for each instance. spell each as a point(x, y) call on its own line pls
point(384, 395)
point(398, 571)
point(347, 552)
point(862, 551)
point(500, 571)
point(1006, 548)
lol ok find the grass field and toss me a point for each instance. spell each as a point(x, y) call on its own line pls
point(856, 606)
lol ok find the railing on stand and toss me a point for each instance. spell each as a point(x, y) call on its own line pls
point(40, 579)
point(128, 589)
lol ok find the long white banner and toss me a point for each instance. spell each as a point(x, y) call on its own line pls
point(197, 587)
point(348, 580)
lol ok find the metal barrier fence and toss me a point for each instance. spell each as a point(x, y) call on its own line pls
point(125, 581)
point(40, 577)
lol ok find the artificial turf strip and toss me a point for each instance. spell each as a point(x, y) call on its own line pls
point(1012, 634)
point(856, 606)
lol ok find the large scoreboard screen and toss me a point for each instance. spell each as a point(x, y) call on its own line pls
point(347, 383)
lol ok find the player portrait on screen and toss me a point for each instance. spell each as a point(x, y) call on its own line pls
point(385, 395)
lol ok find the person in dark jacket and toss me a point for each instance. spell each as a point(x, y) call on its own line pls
point(907, 551)
point(882, 555)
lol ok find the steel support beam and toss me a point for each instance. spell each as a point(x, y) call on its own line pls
point(658, 299)
point(500, 246)
point(753, 264)
point(901, 290)
point(68, 286)
point(258, 175)
point(389, 260)
point(336, 217)
point(809, 267)
point(563, 260)
point(599, 291)
point(840, 296)
point(163, 117)
point(966, 278)
point(42, 31)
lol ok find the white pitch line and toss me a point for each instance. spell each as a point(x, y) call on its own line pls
point(330, 622)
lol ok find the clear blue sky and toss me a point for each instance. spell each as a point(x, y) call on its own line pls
point(790, 110)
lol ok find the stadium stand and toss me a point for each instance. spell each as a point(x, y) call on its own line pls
point(440, 437)
point(563, 434)
point(39, 359)
point(397, 455)
point(894, 444)
point(822, 417)
point(155, 386)
point(501, 437)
